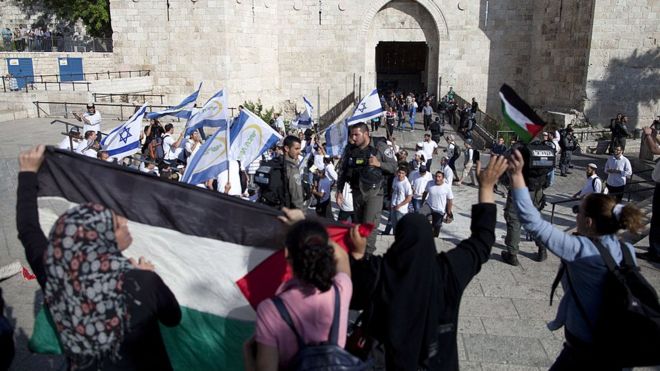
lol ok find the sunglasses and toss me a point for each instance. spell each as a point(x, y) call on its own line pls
point(576, 209)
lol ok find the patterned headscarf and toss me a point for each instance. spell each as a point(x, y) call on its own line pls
point(85, 274)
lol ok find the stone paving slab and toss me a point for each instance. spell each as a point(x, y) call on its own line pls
point(504, 309)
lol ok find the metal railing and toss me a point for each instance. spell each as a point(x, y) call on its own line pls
point(111, 108)
point(44, 85)
point(486, 127)
point(124, 98)
point(57, 44)
point(30, 82)
point(333, 113)
point(629, 192)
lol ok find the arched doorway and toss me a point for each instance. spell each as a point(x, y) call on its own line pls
point(402, 47)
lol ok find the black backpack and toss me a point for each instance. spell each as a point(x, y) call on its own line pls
point(628, 327)
point(271, 180)
point(327, 355)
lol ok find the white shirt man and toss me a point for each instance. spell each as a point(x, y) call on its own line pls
point(618, 168)
point(233, 175)
point(86, 146)
point(593, 183)
point(438, 196)
point(170, 145)
point(429, 147)
point(401, 196)
point(419, 180)
point(66, 143)
point(330, 172)
point(449, 178)
point(193, 144)
point(91, 119)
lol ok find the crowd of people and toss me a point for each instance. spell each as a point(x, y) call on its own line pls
point(409, 297)
point(39, 38)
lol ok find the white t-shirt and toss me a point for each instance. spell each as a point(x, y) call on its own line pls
point(428, 148)
point(347, 205)
point(171, 153)
point(437, 196)
point(419, 184)
point(591, 186)
point(80, 148)
point(318, 161)
point(94, 122)
point(189, 148)
point(324, 187)
point(400, 190)
point(66, 144)
point(330, 172)
point(449, 175)
point(234, 179)
point(623, 170)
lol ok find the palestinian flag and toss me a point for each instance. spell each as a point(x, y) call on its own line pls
point(220, 255)
point(520, 117)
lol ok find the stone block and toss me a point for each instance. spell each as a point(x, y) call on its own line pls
point(505, 350)
point(533, 328)
point(475, 306)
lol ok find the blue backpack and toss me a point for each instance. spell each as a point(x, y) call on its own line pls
point(326, 356)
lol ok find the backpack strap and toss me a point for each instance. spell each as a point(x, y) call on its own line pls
point(284, 313)
point(555, 283)
point(333, 337)
point(627, 256)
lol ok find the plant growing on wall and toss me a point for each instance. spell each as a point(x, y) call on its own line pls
point(258, 109)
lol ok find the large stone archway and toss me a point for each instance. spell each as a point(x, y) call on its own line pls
point(405, 22)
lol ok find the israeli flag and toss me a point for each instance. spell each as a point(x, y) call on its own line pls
point(214, 113)
point(368, 108)
point(124, 140)
point(182, 110)
point(336, 138)
point(209, 161)
point(305, 119)
point(250, 137)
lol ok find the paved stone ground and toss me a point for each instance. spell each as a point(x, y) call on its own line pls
point(504, 310)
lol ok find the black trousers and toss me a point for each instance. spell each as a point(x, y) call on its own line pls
point(654, 233)
point(617, 192)
point(578, 355)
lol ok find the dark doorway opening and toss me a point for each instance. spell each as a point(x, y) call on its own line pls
point(401, 66)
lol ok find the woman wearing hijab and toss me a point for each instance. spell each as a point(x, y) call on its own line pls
point(412, 293)
point(105, 307)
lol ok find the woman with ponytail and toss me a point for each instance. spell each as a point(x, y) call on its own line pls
point(318, 264)
point(599, 218)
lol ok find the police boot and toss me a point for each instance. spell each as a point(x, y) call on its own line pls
point(542, 254)
point(509, 258)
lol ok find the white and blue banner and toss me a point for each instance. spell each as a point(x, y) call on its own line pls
point(124, 140)
point(214, 113)
point(250, 137)
point(305, 120)
point(368, 108)
point(209, 161)
point(336, 138)
point(182, 110)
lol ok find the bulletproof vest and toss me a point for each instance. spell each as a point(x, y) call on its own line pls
point(360, 173)
point(539, 161)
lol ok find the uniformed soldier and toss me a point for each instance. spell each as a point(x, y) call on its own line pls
point(365, 166)
point(536, 181)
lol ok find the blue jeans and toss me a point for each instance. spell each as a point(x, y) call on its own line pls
point(417, 204)
point(393, 219)
point(413, 112)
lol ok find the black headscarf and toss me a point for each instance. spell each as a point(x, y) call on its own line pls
point(406, 303)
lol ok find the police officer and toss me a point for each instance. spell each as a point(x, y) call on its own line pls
point(366, 164)
point(568, 145)
point(536, 180)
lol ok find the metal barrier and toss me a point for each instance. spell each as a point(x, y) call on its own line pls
point(57, 44)
point(486, 126)
point(114, 108)
point(628, 192)
point(56, 79)
point(333, 113)
point(124, 98)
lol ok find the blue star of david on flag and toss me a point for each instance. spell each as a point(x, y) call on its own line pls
point(368, 108)
point(124, 135)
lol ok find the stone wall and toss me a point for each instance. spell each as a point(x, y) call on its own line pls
point(624, 62)
point(561, 33)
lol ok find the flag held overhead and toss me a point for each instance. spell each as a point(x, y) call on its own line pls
point(520, 117)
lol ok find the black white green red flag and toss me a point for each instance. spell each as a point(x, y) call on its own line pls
point(520, 117)
point(221, 256)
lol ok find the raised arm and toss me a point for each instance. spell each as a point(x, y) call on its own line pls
point(27, 215)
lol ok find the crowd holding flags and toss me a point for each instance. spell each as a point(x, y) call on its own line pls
point(124, 140)
point(182, 110)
